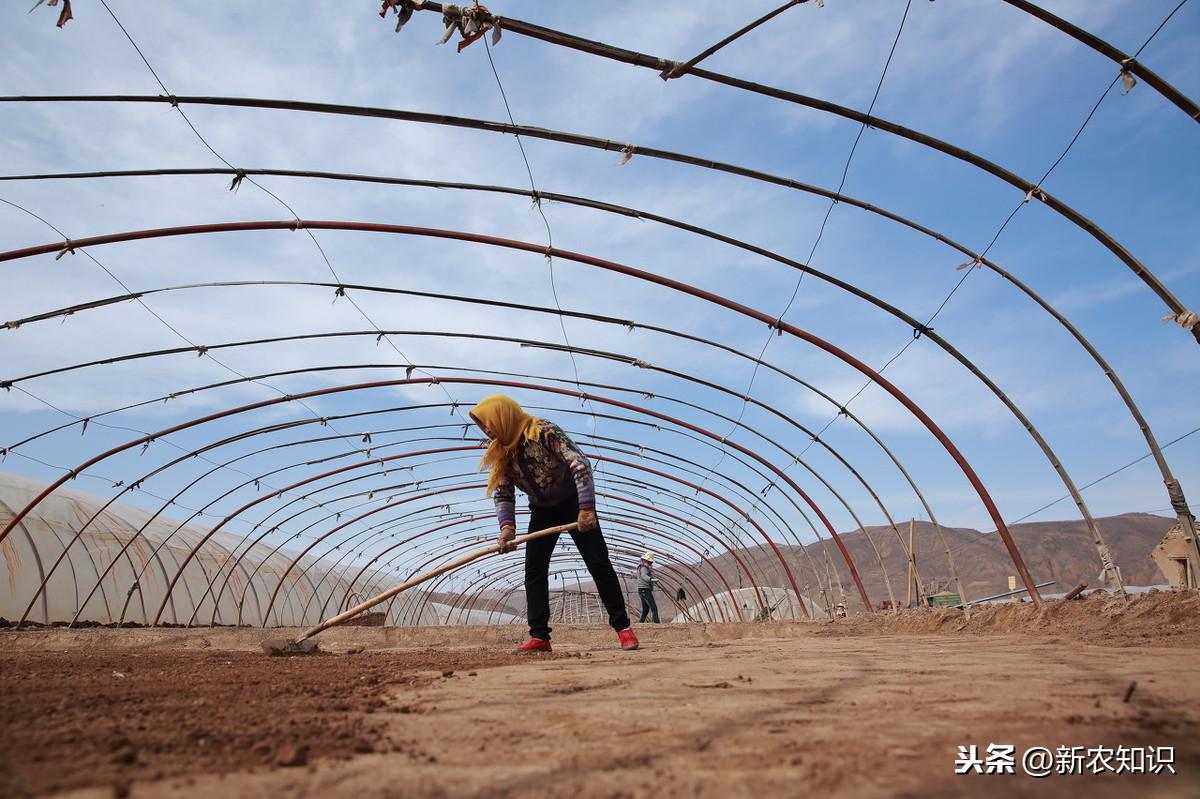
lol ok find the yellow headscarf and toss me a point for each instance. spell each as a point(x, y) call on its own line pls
point(511, 426)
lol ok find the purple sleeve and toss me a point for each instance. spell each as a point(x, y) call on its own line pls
point(581, 470)
point(506, 504)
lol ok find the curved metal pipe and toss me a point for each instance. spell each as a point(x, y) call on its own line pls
point(759, 362)
point(619, 518)
point(1126, 62)
point(719, 497)
point(610, 514)
point(473, 381)
point(679, 375)
point(464, 604)
point(420, 601)
point(659, 64)
point(327, 534)
point(341, 526)
point(612, 266)
point(383, 529)
point(378, 447)
point(425, 595)
point(1064, 210)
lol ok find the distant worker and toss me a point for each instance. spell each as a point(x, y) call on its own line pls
point(536, 456)
point(840, 610)
point(646, 581)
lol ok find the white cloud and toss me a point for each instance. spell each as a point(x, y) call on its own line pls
point(984, 77)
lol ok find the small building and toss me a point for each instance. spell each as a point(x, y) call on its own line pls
point(1171, 557)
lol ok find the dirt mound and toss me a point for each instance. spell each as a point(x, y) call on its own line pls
point(87, 717)
point(1157, 618)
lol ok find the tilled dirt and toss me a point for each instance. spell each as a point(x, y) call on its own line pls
point(740, 710)
point(84, 717)
point(1160, 618)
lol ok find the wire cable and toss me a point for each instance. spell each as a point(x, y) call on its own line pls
point(537, 204)
point(257, 184)
point(1033, 191)
point(821, 231)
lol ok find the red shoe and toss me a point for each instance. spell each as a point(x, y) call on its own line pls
point(628, 639)
point(535, 645)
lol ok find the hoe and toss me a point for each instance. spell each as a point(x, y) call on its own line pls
point(304, 646)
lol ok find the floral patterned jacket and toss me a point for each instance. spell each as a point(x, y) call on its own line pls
point(549, 470)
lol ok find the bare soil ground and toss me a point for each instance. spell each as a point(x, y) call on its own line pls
point(864, 707)
point(1161, 618)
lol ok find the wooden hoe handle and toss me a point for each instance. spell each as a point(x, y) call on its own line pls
point(454, 564)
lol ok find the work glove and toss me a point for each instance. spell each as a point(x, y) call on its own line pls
point(505, 539)
point(587, 521)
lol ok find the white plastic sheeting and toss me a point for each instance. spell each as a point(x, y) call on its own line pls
point(780, 603)
point(473, 616)
point(312, 591)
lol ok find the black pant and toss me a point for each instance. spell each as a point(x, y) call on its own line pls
point(594, 550)
point(649, 606)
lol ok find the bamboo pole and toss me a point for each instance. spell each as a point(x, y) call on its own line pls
point(911, 565)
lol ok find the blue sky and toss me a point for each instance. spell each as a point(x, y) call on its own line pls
point(978, 74)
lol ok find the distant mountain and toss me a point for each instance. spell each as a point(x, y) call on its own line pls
point(1061, 551)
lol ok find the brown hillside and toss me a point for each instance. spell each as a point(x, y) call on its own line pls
point(1060, 550)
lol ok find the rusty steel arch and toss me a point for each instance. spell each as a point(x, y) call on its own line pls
point(775, 323)
point(621, 358)
point(1174, 491)
point(1067, 212)
point(601, 481)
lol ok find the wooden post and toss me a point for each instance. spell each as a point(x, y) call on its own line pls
point(908, 594)
point(914, 577)
point(1076, 591)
